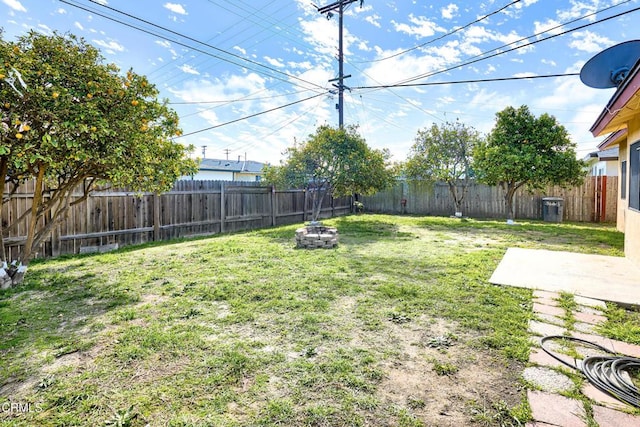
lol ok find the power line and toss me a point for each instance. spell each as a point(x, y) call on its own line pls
point(497, 79)
point(444, 35)
point(431, 74)
point(186, 37)
point(243, 99)
point(250, 116)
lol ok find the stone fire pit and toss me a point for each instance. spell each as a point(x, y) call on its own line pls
point(316, 236)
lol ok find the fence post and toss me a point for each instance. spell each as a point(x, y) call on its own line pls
point(274, 206)
point(156, 217)
point(222, 210)
point(304, 207)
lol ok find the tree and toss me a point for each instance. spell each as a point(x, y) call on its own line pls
point(69, 121)
point(522, 150)
point(335, 162)
point(443, 153)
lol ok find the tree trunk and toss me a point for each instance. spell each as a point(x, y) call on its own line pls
point(508, 200)
point(27, 251)
point(3, 174)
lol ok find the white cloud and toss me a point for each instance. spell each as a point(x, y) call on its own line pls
point(587, 41)
point(450, 11)
point(163, 43)
point(45, 29)
point(579, 9)
point(78, 26)
point(61, 11)
point(274, 62)
point(175, 8)
point(373, 20)
point(239, 49)
point(306, 65)
point(420, 27)
point(111, 46)
point(546, 27)
point(102, 2)
point(186, 68)
point(15, 5)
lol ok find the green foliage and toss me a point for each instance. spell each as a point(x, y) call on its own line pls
point(524, 150)
point(444, 153)
point(81, 122)
point(334, 162)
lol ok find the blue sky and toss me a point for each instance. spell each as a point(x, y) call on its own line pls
point(222, 64)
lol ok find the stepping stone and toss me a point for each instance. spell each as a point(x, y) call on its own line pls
point(548, 309)
point(594, 319)
point(544, 329)
point(548, 379)
point(585, 328)
point(540, 357)
point(602, 398)
point(590, 302)
point(545, 294)
point(606, 417)
point(555, 410)
point(548, 318)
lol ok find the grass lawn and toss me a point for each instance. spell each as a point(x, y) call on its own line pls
point(397, 326)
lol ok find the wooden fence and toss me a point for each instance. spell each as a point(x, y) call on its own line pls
point(593, 201)
point(109, 219)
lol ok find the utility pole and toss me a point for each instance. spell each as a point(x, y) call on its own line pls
point(329, 9)
point(227, 151)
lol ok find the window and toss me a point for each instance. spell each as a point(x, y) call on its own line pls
point(634, 176)
point(623, 180)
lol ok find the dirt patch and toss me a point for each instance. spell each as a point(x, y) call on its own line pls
point(443, 381)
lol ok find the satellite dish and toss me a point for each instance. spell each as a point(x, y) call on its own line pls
point(610, 67)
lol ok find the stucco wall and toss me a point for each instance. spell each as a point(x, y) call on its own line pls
point(622, 203)
point(632, 236)
point(632, 217)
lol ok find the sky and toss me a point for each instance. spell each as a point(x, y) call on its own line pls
point(250, 78)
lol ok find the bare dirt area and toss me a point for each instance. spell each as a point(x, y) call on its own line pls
point(443, 380)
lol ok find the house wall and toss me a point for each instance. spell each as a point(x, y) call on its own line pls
point(622, 203)
point(212, 176)
point(632, 216)
point(606, 168)
point(246, 176)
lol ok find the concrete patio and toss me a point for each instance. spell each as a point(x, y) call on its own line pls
point(605, 278)
point(593, 279)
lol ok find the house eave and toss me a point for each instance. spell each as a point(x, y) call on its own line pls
point(621, 107)
point(612, 140)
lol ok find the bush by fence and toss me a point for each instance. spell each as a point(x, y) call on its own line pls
point(595, 200)
point(114, 218)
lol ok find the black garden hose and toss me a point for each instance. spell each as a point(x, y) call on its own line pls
point(604, 372)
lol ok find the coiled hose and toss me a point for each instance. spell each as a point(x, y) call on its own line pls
point(604, 372)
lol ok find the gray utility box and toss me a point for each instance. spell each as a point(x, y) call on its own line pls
point(552, 209)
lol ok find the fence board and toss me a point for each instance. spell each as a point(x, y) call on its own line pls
point(120, 217)
point(483, 201)
point(117, 216)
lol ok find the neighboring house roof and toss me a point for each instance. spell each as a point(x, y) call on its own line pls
point(622, 106)
point(603, 155)
point(218, 165)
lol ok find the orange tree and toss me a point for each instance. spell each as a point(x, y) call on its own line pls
point(444, 153)
point(524, 150)
point(69, 121)
point(336, 162)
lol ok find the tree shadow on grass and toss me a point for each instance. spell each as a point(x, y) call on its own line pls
point(52, 314)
